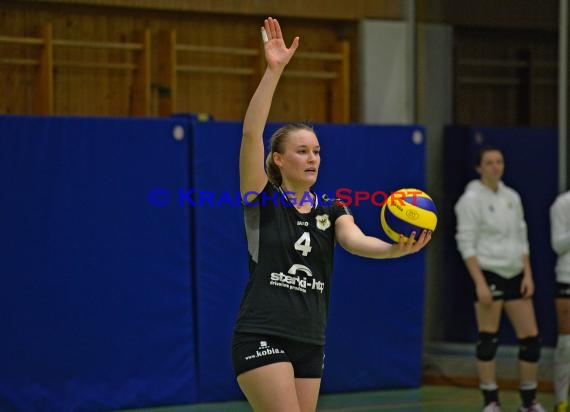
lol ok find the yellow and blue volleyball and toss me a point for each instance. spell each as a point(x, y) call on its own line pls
point(406, 211)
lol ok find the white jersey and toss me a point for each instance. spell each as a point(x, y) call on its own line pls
point(560, 235)
point(491, 227)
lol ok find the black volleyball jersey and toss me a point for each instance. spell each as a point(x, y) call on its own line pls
point(290, 264)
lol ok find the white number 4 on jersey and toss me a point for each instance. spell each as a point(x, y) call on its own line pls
point(303, 244)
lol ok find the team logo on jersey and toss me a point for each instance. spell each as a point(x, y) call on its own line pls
point(299, 278)
point(323, 222)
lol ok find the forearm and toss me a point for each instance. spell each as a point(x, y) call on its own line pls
point(370, 247)
point(258, 109)
point(252, 172)
point(475, 270)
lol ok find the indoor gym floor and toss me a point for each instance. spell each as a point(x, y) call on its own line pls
point(425, 399)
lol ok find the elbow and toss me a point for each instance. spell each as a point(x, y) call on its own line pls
point(466, 251)
point(345, 245)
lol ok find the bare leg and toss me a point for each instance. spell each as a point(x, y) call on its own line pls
point(308, 393)
point(488, 317)
point(521, 315)
point(270, 388)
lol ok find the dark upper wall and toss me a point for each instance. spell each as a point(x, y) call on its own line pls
point(314, 9)
point(512, 14)
point(522, 14)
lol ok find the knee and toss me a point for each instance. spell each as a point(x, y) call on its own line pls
point(487, 346)
point(529, 349)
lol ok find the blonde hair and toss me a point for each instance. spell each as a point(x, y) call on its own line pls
point(277, 145)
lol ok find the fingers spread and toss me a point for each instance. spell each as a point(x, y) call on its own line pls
point(295, 44)
point(267, 29)
point(278, 33)
point(272, 29)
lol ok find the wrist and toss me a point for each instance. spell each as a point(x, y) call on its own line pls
point(394, 251)
point(275, 70)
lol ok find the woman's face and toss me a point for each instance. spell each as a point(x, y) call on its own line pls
point(299, 163)
point(492, 166)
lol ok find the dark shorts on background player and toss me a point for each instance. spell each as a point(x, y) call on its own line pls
point(501, 288)
point(562, 290)
point(250, 351)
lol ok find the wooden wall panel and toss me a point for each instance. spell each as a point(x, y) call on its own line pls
point(17, 91)
point(505, 78)
point(513, 14)
point(97, 91)
point(17, 81)
point(544, 93)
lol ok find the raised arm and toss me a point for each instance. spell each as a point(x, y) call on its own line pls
point(251, 159)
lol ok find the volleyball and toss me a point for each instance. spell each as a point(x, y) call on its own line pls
point(406, 211)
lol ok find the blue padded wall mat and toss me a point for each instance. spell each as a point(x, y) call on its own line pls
point(96, 280)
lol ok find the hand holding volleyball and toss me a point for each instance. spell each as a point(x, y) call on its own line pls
point(408, 210)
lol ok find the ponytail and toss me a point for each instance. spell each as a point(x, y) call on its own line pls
point(273, 172)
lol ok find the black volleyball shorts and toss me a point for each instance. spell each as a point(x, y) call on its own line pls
point(562, 290)
point(502, 288)
point(250, 351)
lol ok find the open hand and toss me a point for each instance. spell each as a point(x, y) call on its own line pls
point(484, 295)
point(527, 286)
point(276, 52)
point(406, 247)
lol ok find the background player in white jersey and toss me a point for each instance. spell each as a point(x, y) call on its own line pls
point(278, 343)
point(492, 238)
point(560, 237)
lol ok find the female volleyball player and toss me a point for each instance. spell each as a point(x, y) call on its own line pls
point(492, 238)
point(280, 331)
point(560, 237)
